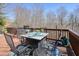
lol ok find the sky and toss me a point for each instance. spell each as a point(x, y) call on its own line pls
point(46, 6)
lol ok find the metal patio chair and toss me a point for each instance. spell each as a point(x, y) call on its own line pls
point(21, 31)
point(26, 28)
point(19, 50)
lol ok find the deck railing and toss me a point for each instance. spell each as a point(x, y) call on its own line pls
point(53, 33)
point(57, 33)
point(73, 37)
point(74, 40)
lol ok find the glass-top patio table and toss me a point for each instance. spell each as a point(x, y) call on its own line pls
point(35, 37)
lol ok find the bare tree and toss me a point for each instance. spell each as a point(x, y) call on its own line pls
point(76, 19)
point(51, 19)
point(22, 16)
point(61, 14)
point(37, 16)
point(76, 14)
point(71, 20)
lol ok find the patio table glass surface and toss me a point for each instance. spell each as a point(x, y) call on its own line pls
point(35, 35)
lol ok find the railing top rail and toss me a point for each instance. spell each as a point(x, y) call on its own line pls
point(73, 32)
point(57, 29)
point(45, 29)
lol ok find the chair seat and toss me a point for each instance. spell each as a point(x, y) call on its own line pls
point(22, 50)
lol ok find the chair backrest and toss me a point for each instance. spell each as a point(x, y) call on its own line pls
point(9, 41)
point(39, 30)
point(20, 31)
point(26, 27)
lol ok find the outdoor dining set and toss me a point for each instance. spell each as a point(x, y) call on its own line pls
point(33, 43)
